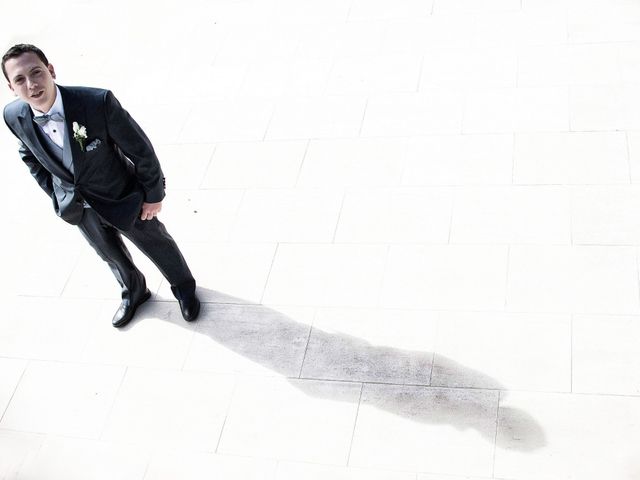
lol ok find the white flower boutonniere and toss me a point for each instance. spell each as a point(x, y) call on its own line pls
point(79, 134)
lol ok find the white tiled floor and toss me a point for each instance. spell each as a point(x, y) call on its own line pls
point(414, 225)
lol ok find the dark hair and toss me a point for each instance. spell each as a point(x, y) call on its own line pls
point(18, 50)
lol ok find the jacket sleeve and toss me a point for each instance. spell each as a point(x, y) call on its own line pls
point(134, 143)
point(41, 174)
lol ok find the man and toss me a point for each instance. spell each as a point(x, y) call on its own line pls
point(101, 172)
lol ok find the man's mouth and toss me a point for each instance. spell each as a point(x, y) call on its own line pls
point(38, 95)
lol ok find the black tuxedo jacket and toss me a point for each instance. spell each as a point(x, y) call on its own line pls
point(114, 178)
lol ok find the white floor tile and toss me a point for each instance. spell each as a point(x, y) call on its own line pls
point(511, 215)
point(469, 6)
point(605, 215)
point(17, 449)
point(255, 165)
point(228, 272)
point(193, 466)
point(516, 110)
point(292, 471)
point(569, 443)
point(459, 160)
point(63, 398)
point(326, 275)
point(327, 117)
point(276, 418)
point(431, 111)
point(288, 215)
point(469, 67)
point(604, 108)
point(156, 337)
point(45, 271)
point(11, 371)
point(396, 216)
point(353, 163)
point(605, 354)
point(200, 215)
point(170, 409)
point(367, 10)
point(446, 277)
point(232, 120)
point(573, 279)
point(376, 75)
point(74, 459)
point(526, 27)
point(47, 328)
point(184, 165)
point(633, 139)
point(512, 351)
point(571, 158)
point(596, 64)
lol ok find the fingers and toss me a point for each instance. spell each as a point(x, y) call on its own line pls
point(150, 210)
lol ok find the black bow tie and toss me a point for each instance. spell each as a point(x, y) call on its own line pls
point(42, 119)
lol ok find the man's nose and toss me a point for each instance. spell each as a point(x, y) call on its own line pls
point(31, 84)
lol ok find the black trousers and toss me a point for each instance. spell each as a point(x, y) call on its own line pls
point(152, 238)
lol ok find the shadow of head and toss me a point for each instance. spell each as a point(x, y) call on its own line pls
point(326, 365)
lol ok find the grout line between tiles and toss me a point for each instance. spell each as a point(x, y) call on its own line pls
point(495, 437)
point(266, 282)
point(15, 390)
point(571, 354)
point(304, 158)
point(113, 402)
point(355, 424)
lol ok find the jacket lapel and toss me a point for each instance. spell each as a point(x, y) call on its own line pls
point(26, 121)
point(73, 112)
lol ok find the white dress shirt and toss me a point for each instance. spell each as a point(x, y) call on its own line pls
point(54, 129)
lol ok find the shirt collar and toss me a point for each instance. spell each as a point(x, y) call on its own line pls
point(55, 108)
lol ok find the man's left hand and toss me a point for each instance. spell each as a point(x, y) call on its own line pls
point(150, 210)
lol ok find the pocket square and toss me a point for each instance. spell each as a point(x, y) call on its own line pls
point(93, 145)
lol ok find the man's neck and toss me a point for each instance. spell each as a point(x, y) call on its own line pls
point(48, 107)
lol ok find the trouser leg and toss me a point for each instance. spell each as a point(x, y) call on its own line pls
point(107, 242)
point(152, 238)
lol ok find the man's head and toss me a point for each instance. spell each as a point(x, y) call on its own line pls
point(30, 75)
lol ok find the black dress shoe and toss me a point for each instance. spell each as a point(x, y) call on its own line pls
point(127, 310)
point(190, 307)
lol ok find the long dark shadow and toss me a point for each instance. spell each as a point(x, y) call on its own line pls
point(394, 380)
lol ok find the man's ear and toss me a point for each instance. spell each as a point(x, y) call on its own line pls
point(51, 70)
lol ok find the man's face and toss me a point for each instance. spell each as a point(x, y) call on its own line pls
point(32, 80)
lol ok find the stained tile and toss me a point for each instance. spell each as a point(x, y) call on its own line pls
point(513, 351)
point(425, 429)
point(370, 345)
point(564, 444)
point(251, 339)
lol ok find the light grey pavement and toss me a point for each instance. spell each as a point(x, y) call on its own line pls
point(415, 224)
